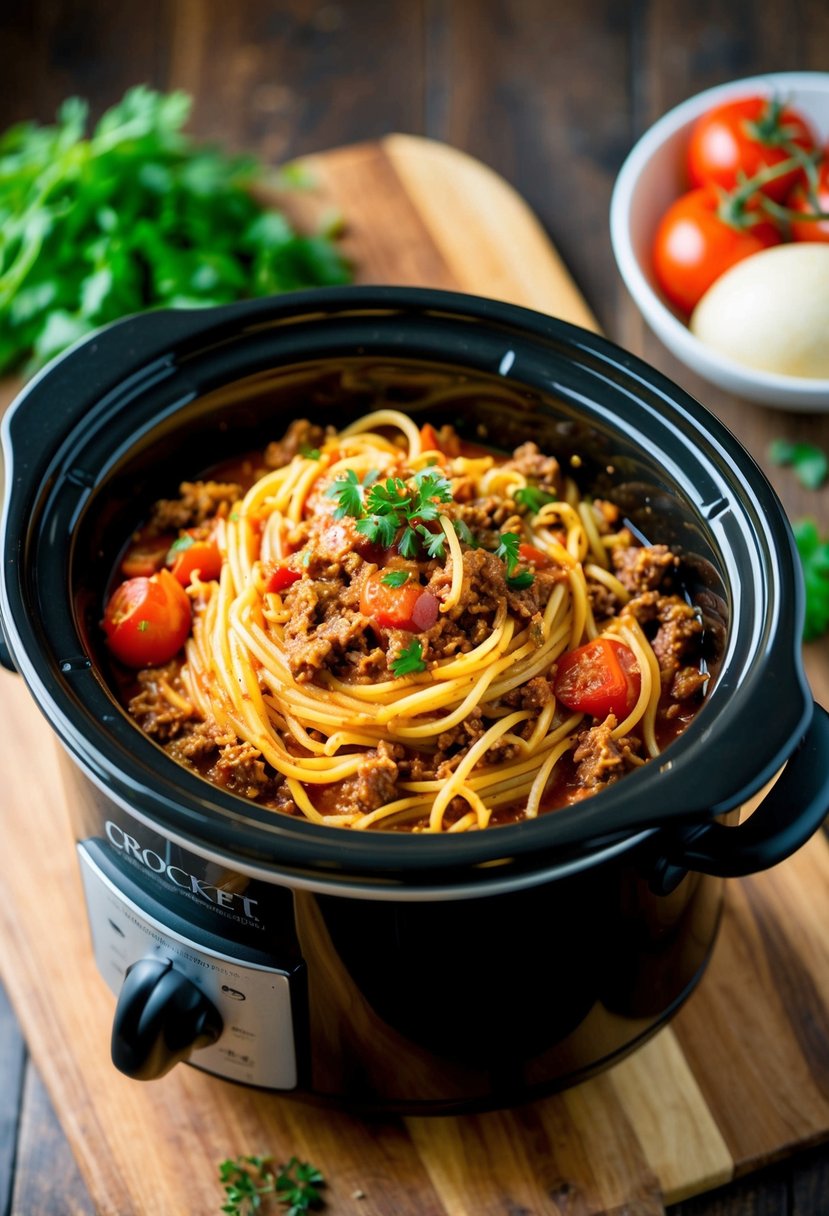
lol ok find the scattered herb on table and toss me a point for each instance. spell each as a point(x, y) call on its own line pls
point(249, 1180)
point(814, 557)
point(133, 216)
point(810, 463)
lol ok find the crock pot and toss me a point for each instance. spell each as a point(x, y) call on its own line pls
point(387, 970)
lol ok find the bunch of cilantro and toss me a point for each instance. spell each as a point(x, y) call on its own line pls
point(133, 217)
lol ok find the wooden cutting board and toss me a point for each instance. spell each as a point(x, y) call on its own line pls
point(740, 1077)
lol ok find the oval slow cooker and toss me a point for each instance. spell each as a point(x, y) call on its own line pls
point(387, 970)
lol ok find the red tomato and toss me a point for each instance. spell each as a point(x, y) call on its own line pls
point(599, 678)
point(429, 438)
point(529, 553)
point(147, 620)
point(409, 607)
point(798, 200)
point(694, 245)
point(146, 555)
point(745, 137)
point(282, 577)
point(185, 559)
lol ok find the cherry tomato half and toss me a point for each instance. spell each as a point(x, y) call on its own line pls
point(147, 620)
point(694, 246)
point(409, 607)
point(188, 555)
point(599, 678)
point(745, 137)
point(429, 441)
point(798, 200)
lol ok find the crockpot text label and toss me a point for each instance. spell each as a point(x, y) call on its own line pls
point(217, 896)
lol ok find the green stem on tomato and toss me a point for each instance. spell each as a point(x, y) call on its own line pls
point(732, 207)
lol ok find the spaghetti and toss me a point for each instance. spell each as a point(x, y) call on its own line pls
point(408, 633)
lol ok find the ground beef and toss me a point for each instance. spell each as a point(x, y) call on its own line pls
point(151, 709)
point(678, 631)
point(301, 436)
point(603, 602)
point(323, 626)
point(641, 569)
point(240, 769)
point(198, 501)
point(687, 683)
point(543, 471)
point(601, 759)
point(486, 518)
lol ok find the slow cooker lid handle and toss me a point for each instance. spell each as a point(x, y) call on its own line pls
point(790, 813)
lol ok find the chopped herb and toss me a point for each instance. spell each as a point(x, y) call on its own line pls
point(179, 546)
point(520, 581)
point(395, 578)
point(464, 533)
point(309, 453)
point(532, 498)
point(306, 558)
point(390, 505)
point(810, 463)
point(143, 626)
point(246, 1180)
point(409, 661)
point(508, 550)
point(814, 557)
point(348, 491)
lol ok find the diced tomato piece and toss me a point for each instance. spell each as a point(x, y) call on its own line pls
point(529, 553)
point(429, 438)
point(189, 554)
point(409, 607)
point(147, 620)
point(599, 678)
point(281, 577)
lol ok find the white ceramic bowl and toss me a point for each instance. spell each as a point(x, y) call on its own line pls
point(652, 176)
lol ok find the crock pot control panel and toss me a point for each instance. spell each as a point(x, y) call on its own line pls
point(179, 997)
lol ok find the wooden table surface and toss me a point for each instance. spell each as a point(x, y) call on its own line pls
point(551, 95)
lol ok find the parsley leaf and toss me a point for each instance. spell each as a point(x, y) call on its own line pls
point(409, 660)
point(464, 533)
point(508, 550)
point(810, 463)
point(309, 453)
point(521, 580)
point(132, 214)
point(246, 1180)
point(814, 557)
point(349, 494)
point(532, 498)
point(433, 542)
point(395, 578)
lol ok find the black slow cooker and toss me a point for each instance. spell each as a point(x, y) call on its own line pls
point(387, 970)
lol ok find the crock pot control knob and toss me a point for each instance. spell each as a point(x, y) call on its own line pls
point(161, 1017)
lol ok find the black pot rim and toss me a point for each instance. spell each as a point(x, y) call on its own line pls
point(742, 743)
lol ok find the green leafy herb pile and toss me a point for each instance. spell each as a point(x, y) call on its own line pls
point(134, 216)
point(249, 1180)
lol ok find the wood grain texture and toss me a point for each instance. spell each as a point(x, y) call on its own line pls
point(741, 1076)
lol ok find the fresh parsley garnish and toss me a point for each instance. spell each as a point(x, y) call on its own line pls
point(408, 661)
point(507, 550)
point(395, 578)
point(810, 463)
point(133, 215)
point(180, 545)
point(532, 498)
point(814, 557)
point(464, 533)
point(309, 453)
point(383, 509)
point(247, 1179)
point(521, 580)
